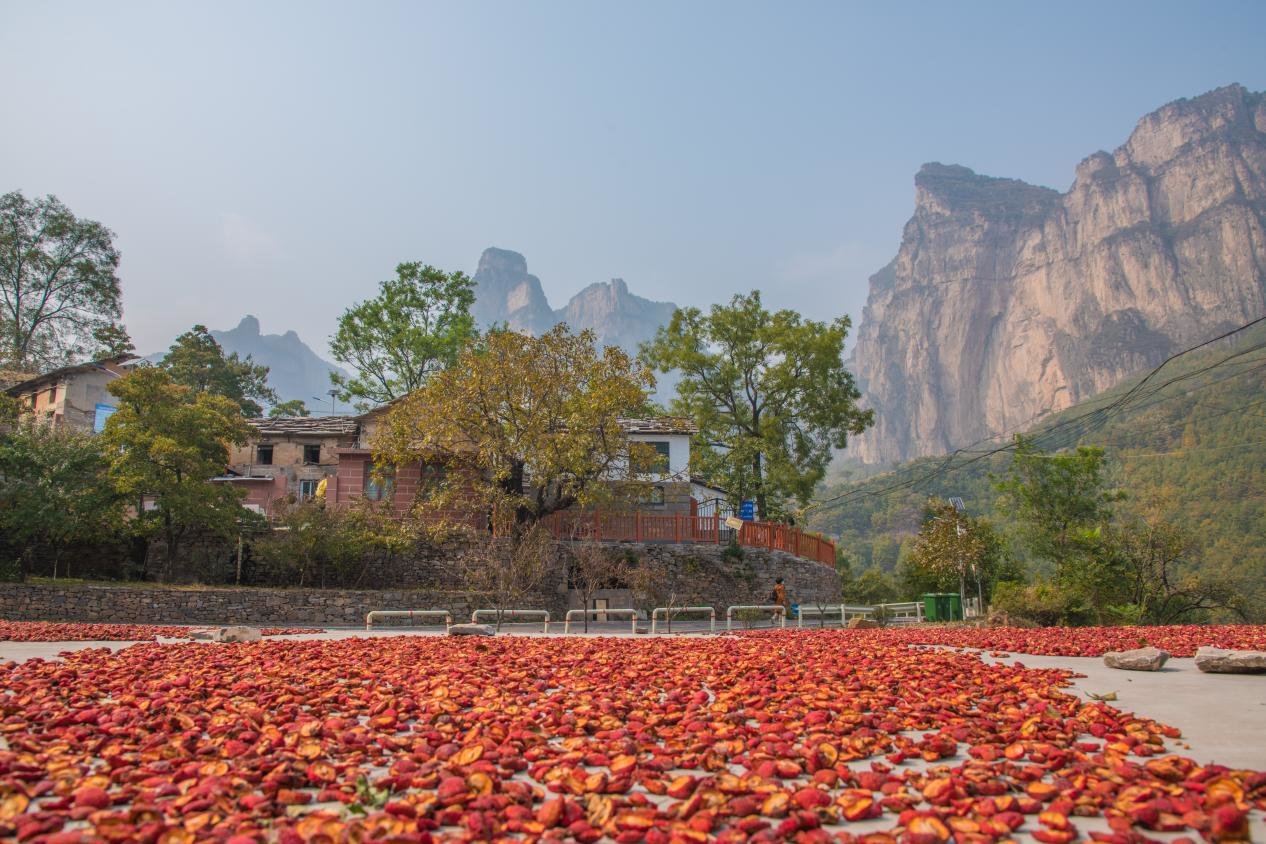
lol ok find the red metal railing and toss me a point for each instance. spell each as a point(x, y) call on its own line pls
point(607, 526)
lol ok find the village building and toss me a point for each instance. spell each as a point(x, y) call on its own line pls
point(289, 457)
point(73, 397)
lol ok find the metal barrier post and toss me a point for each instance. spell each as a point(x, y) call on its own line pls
point(779, 611)
point(609, 611)
point(543, 614)
point(410, 614)
point(711, 611)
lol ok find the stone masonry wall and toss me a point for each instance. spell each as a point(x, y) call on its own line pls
point(225, 605)
point(695, 574)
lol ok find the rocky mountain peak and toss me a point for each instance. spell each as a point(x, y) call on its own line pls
point(1007, 301)
point(943, 190)
point(506, 293)
point(1163, 134)
point(502, 261)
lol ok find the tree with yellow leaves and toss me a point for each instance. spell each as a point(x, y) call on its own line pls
point(526, 426)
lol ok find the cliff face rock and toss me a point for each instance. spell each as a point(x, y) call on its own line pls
point(617, 316)
point(505, 292)
point(1007, 302)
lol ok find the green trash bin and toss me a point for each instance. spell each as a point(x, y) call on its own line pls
point(942, 606)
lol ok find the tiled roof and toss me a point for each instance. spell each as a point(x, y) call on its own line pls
point(312, 426)
point(36, 381)
point(660, 425)
point(11, 377)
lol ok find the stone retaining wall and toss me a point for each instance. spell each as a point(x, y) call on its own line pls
point(215, 605)
point(691, 574)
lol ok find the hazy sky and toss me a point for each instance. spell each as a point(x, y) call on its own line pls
point(281, 158)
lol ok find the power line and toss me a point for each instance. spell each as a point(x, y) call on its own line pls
point(1189, 450)
point(1103, 413)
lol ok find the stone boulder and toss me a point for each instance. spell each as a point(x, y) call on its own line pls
point(227, 634)
point(859, 623)
point(472, 630)
point(1139, 659)
point(1222, 661)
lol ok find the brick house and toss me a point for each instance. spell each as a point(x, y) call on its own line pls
point(289, 457)
point(74, 396)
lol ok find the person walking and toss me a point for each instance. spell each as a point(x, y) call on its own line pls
point(779, 596)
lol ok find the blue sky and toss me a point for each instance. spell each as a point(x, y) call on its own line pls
point(281, 158)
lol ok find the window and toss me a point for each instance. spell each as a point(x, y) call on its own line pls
point(264, 455)
point(52, 394)
point(651, 457)
point(653, 497)
point(660, 462)
point(380, 483)
point(312, 454)
point(307, 489)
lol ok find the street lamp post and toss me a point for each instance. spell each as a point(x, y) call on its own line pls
point(333, 394)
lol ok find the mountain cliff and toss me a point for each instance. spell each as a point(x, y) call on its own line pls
point(1007, 302)
point(294, 370)
point(506, 292)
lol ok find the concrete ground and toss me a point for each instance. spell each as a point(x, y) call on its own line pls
point(1222, 716)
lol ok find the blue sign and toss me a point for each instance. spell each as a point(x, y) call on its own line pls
point(747, 511)
point(103, 412)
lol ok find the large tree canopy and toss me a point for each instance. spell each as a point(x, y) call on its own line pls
point(769, 393)
point(55, 490)
point(413, 328)
point(59, 296)
point(537, 419)
point(197, 361)
point(165, 442)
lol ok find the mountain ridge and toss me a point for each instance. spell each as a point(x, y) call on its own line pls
point(1007, 301)
point(294, 370)
point(505, 292)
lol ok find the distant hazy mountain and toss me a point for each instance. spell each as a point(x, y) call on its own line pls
point(506, 293)
point(294, 370)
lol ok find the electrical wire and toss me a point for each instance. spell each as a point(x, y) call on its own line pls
point(1100, 417)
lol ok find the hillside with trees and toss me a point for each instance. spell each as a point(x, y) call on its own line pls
point(1183, 452)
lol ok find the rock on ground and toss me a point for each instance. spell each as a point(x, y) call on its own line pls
point(471, 630)
point(859, 623)
point(227, 634)
point(1222, 661)
point(1139, 659)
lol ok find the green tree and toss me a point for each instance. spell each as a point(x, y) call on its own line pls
point(413, 328)
point(290, 407)
point(166, 440)
point(314, 545)
point(769, 393)
point(872, 587)
point(59, 295)
point(953, 551)
point(55, 492)
point(197, 361)
point(528, 426)
point(1163, 581)
point(1063, 509)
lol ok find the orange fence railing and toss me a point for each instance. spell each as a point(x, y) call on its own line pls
point(608, 526)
